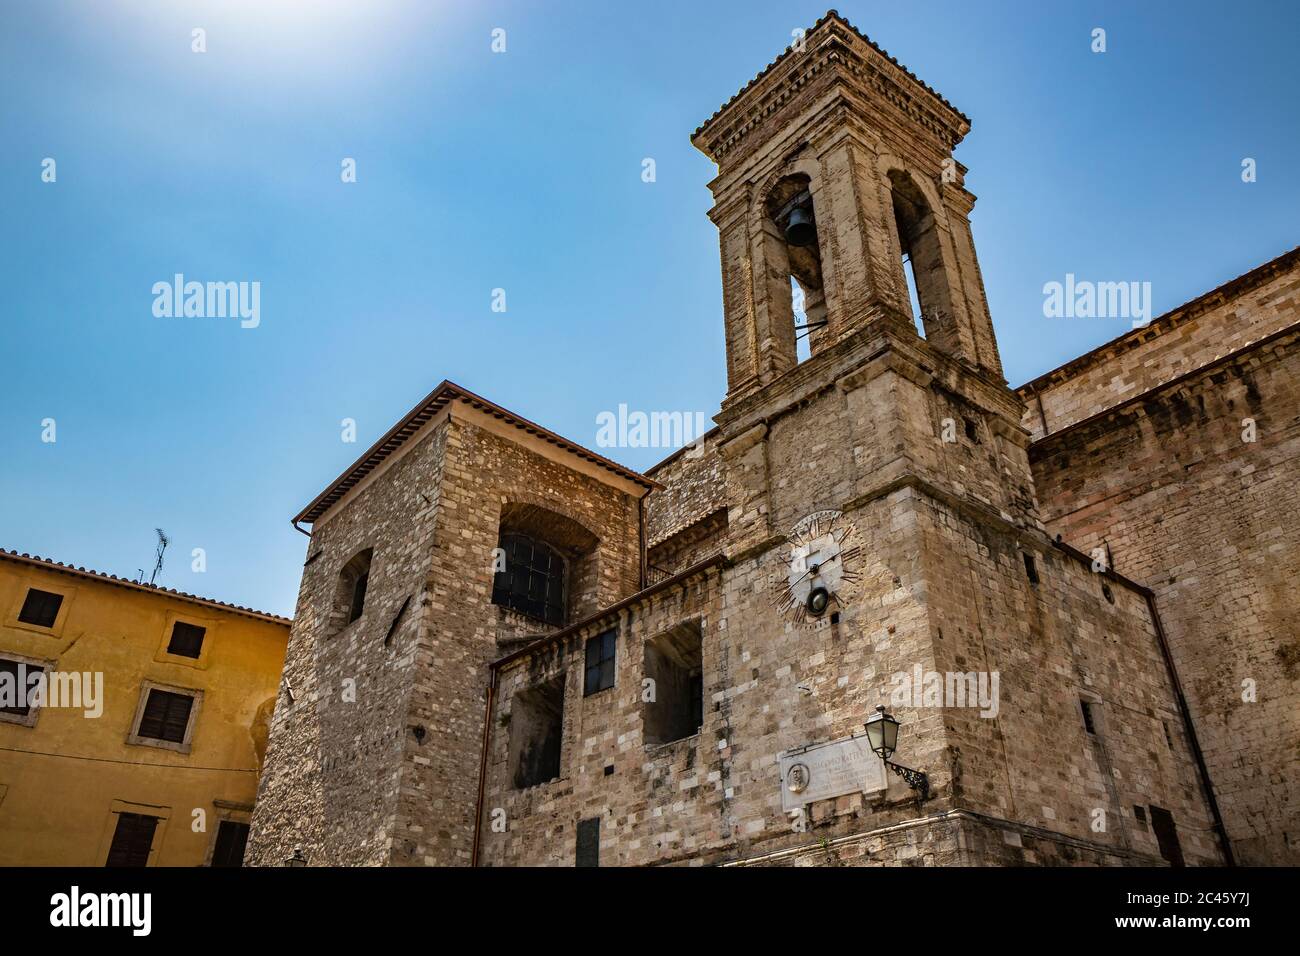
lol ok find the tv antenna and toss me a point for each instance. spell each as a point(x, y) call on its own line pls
point(158, 555)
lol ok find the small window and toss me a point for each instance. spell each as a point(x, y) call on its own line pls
point(132, 840)
point(1089, 717)
point(532, 580)
point(1162, 822)
point(674, 662)
point(350, 591)
point(600, 663)
point(1140, 812)
point(40, 608)
point(1031, 568)
point(1107, 593)
point(232, 838)
point(587, 851)
point(359, 596)
point(972, 432)
point(15, 685)
point(166, 716)
point(537, 733)
point(187, 639)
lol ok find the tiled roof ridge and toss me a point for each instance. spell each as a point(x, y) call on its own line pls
point(51, 564)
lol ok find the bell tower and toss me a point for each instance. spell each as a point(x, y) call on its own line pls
point(836, 179)
point(835, 170)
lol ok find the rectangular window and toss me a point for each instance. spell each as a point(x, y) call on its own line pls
point(1162, 822)
point(166, 716)
point(1031, 568)
point(537, 733)
point(15, 686)
point(187, 639)
point(232, 837)
point(1089, 716)
point(674, 705)
point(40, 608)
point(587, 851)
point(600, 662)
point(132, 840)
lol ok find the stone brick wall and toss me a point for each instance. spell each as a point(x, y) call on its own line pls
point(940, 590)
point(1224, 320)
point(392, 778)
point(1207, 520)
point(333, 764)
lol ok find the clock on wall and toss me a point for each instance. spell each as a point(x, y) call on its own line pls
point(820, 570)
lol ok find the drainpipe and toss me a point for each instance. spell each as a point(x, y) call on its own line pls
point(482, 763)
point(299, 530)
point(640, 534)
point(1191, 732)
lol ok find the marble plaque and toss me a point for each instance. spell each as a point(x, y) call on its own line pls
point(823, 771)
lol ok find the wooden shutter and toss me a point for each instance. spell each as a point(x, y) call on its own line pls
point(232, 837)
point(40, 608)
point(132, 840)
point(187, 639)
point(166, 715)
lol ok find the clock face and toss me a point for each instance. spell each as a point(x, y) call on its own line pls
point(820, 570)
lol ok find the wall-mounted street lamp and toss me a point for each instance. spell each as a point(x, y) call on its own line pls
point(297, 859)
point(882, 734)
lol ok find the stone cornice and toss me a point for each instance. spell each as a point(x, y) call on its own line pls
point(833, 44)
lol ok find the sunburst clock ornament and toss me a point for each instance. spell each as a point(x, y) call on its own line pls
point(821, 571)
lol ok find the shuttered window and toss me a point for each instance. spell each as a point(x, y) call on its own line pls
point(40, 608)
point(166, 715)
point(19, 706)
point(232, 837)
point(187, 639)
point(132, 840)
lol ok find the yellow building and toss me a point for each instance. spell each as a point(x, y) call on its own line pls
point(142, 731)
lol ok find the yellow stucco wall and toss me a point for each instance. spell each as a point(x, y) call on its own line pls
point(64, 779)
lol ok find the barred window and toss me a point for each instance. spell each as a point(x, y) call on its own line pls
point(532, 580)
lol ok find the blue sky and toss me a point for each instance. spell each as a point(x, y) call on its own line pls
point(519, 171)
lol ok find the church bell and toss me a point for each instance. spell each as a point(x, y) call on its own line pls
point(800, 231)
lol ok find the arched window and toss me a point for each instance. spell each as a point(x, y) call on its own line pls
point(350, 590)
point(533, 578)
point(793, 254)
point(927, 282)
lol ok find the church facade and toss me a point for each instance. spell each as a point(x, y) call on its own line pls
point(1072, 598)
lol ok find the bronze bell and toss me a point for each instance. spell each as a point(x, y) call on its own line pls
point(800, 231)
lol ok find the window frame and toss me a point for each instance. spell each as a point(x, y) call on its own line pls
point(118, 807)
point(34, 710)
point(185, 745)
point(33, 583)
point(608, 641)
point(521, 605)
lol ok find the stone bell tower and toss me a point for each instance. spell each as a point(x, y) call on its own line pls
point(836, 176)
point(834, 165)
point(836, 179)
